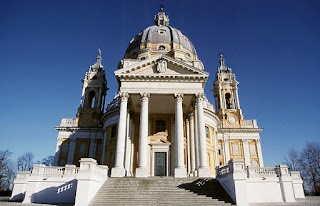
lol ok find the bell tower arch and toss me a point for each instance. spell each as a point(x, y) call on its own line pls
point(226, 94)
point(93, 95)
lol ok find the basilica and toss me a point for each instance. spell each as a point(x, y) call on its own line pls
point(159, 136)
point(160, 123)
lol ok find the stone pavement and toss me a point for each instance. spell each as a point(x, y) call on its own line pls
point(309, 201)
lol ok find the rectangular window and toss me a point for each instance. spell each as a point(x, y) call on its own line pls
point(219, 150)
point(207, 132)
point(65, 147)
point(99, 150)
point(253, 149)
point(82, 149)
point(160, 126)
point(236, 149)
point(114, 131)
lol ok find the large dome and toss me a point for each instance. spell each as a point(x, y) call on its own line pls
point(161, 38)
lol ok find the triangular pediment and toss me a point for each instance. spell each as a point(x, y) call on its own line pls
point(161, 66)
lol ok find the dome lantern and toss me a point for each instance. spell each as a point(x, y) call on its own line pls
point(161, 19)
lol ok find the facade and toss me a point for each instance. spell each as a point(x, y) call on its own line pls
point(160, 123)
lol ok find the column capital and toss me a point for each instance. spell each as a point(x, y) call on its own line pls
point(178, 96)
point(258, 140)
point(144, 96)
point(200, 97)
point(191, 115)
point(124, 96)
point(245, 141)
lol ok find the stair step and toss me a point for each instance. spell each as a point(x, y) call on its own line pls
point(161, 191)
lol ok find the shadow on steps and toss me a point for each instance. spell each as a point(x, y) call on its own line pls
point(208, 187)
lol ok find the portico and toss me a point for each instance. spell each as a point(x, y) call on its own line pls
point(152, 109)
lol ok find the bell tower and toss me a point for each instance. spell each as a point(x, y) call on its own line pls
point(93, 95)
point(226, 96)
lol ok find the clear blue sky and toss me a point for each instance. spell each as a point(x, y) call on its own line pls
point(47, 46)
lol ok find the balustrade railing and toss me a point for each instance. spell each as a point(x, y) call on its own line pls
point(68, 122)
point(224, 170)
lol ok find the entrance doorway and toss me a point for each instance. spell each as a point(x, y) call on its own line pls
point(160, 164)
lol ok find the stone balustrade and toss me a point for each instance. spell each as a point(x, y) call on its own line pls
point(276, 184)
point(68, 122)
point(252, 123)
point(224, 170)
point(262, 171)
point(40, 169)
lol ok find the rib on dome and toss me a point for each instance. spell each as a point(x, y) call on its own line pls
point(161, 39)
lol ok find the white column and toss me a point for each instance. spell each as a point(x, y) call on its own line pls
point(204, 170)
point(104, 143)
point(72, 147)
point(142, 170)
point(258, 141)
point(132, 146)
point(246, 152)
point(92, 148)
point(188, 147)
point(57, 153)
point(118, 169)
point(180, 170)
point(173, 146)
point(192, 145)
point(196, 138)
point(128, 148)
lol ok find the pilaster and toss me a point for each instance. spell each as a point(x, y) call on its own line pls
point(72, 147)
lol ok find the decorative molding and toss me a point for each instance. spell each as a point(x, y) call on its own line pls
point(162, 66)
point(124, 96)
point(200, 97)
point(144, 96)
point(239, 130)
point(178, 96)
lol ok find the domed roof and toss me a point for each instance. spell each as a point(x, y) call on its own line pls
point(158, 34)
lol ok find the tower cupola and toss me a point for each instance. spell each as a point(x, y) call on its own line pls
point(226, 94)
point(93, 95)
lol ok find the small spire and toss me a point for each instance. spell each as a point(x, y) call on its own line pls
point(97, 66)
point(161, 8)
point(222, 64)
point(161, 19)
point(223, 67)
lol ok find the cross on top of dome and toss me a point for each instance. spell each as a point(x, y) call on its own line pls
point(161, 19)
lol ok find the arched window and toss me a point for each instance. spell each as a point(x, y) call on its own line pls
point(161, 47)
point(92, 99)
point(228, 101)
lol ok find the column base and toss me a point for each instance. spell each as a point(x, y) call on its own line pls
point(180, 172)
point(142, 172)
point(204, 172)
point(117, 172)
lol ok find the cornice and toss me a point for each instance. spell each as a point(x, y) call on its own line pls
point(240, 130)
point(75, 129)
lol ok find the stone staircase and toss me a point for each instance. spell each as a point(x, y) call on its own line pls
point(161, 191)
